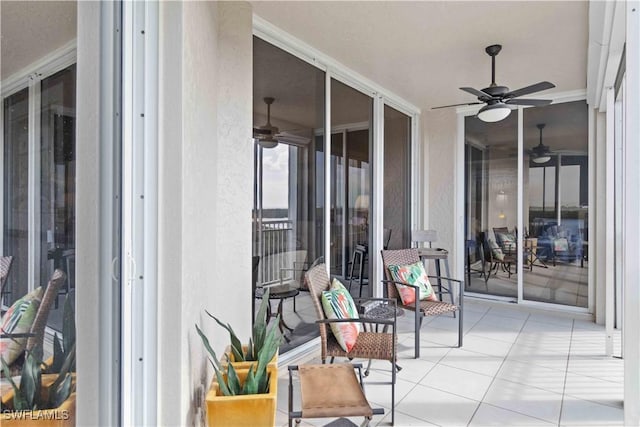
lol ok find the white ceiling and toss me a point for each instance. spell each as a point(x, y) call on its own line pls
point(32, 29)
point(425, 51)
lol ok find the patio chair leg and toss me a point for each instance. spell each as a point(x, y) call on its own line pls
point(460, 329)
point(393, 393)
point(418, 321)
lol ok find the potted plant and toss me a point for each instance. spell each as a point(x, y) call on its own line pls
point(244, 389)
point(44, 398)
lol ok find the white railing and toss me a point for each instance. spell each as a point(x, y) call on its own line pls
point(277, 239)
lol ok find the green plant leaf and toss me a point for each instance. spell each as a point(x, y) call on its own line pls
point(58, 355)
point(207, 346)
point(233, 382)
point(222, 384)
point(250, 351)
point(68, 325)
point(236, 345)
point(58, 393)
point(18, 399)
point(250, 383)
point(31, 378)
point(260, 323)
point(67, 366)
point(271, 344)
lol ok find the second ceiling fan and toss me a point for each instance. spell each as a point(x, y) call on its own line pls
point(498, 99)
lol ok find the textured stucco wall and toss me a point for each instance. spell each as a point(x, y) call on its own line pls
point(440, 136)
point(205, 194)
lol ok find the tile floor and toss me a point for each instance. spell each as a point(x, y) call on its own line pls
point(564, 283)
point(517, 368)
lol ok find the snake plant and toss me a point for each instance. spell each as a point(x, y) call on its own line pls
point(61, 349)
point(263, 346)
point(28, 396)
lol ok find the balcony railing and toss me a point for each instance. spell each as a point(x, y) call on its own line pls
point(277, 241)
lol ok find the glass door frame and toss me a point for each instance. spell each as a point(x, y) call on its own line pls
point(31, 79)
point(460, 211)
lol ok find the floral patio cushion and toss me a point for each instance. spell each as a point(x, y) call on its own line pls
point(338, 304)
point(413, 274)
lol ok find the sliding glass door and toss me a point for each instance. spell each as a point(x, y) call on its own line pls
point(39, 203)
point(491, 169)
point(289, 184)
point(546, 256)
point(556, 205)
point(315, 197)
point(351, 139)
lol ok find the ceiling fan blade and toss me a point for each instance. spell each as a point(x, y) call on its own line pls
point(457, 105)
point(529, 89)
point(476, 92)
point(259, 131)
point(533, 102)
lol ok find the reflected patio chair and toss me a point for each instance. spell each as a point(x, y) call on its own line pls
point(421, 308)
point(5, 269)
point(370, 344)
point(35, 336)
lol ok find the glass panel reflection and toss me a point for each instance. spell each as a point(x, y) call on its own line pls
point(556, 204)
point(16, 192)
point(491, 185)
point(289, 186)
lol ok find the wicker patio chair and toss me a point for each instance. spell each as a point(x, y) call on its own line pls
point(370, 344)
point(420, 308)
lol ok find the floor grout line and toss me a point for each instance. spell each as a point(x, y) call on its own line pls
point(497, 372)
point(566, 371)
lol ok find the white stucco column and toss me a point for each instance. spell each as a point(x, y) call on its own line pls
point(205, 194)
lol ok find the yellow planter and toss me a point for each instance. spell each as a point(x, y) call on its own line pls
point(252, 410)
point(62, 416)
point(244, 365)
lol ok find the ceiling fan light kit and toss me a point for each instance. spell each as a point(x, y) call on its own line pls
point(541, 159)
point(540, 153)
point(498, 99)
point(494, 112)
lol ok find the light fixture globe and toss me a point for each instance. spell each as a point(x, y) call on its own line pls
point(268, 143)
point(541, 159)
point(494, 112)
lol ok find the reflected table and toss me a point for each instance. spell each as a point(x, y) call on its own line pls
point(279, 293)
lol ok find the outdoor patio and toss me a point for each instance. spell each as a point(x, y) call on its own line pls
point(517, 367)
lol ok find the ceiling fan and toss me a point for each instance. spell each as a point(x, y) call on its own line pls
point(266, 134)
point(498, 99)
point(540, 153)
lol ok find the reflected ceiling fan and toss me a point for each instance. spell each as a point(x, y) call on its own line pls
point(540, 153)
point(268, 136)
point(498, 99)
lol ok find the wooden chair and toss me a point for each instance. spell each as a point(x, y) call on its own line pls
point(370, 344)
point(420, 308)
